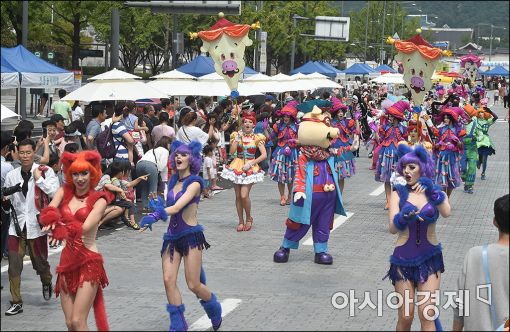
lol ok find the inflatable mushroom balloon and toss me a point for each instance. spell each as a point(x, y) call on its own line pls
point(419, 60)
point(226, 41)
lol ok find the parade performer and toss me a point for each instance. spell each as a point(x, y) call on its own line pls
point(417, 261)
point(469, 65)
point(415, 135)
point(244, 170)
point(344, 163)
point(470, 155)
point(285, 155)
point(486, 118)
point(74, 215)
point(448, 148)
point(390, 133)
point(316, 193)
point(184, 238)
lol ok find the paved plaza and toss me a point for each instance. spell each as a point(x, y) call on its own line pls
point(259, 294)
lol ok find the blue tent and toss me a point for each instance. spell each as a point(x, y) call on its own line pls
point(200, 66)
point(358, 69)
point(328, 66)
point(385, 68)
point(497, 71)
point(203, 65)
point(311, 67)
point(35, 72)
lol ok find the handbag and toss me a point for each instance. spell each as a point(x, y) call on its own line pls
point(160, 180)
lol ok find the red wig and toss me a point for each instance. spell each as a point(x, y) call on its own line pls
point(82, 161)
point(249, 116)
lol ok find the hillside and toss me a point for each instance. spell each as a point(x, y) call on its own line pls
point(456, 14)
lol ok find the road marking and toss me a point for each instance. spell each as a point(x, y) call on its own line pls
point(25, 262)
point(339, 220)
point(204, 323)
point(378, 191)
point(118, 229)
point(501, 120)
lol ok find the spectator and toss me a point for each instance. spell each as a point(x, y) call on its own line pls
point(82, 129)
point(123, 141)
point(60, 122)
point(25, 230)
point(77, 111)
point(213, 143)
point(22, 132)
point(152, 114)
point(190, 132)
point(42, 103)
point(208, 171)
point(94, 126)
point(134, 128)
point(62, 107)
point(168, 107)
point(154, 163)
point(191, 105)
point(163, 129)
point(476, 272)
point(49, 149)
point(6, 168)
point(72, 135)
point(202, 106)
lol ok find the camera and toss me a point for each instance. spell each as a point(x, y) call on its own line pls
point(7, 191)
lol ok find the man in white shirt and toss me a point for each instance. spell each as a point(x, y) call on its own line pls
point(25, 229)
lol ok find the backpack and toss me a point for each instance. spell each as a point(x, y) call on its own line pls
point(106, 144)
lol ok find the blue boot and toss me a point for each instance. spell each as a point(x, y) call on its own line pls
point(177, 320)
point(213, 310)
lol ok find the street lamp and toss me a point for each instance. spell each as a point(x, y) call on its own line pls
point(295, 17)
point(490, 42)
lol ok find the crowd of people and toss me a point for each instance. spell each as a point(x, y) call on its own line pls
point(78, 178)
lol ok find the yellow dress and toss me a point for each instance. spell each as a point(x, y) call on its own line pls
point(246, 150)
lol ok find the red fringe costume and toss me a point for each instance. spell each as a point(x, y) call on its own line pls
point(77, 264)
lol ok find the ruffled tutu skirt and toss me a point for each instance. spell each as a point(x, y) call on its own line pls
point(386, 163)
point(418, 269)
point(448, 169)
point(234, 172)
point(283, 168)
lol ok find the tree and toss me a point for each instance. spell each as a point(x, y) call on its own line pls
point(71, 18)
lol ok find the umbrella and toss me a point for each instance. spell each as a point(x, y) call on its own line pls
point(174, 75)
point(114, 74)
point(7, 113)
point(389, 79)
point(114, 90)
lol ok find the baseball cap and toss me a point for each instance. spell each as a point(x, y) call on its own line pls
point(57, 118)
point(269, 97)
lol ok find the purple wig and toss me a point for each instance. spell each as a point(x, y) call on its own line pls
point(193, 150)
point(419, 155)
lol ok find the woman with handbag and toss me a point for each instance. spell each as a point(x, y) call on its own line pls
point(154, 163)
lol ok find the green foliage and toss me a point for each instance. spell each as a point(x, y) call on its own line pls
point(146, 37)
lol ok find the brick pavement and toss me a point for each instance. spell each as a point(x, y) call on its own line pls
point(292, 296)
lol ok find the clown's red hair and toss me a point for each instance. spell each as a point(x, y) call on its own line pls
point(82, 161)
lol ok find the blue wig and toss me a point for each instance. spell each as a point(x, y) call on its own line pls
point(193, 150)
point(419, 155)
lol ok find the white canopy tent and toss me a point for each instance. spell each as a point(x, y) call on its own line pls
point(10, 81)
